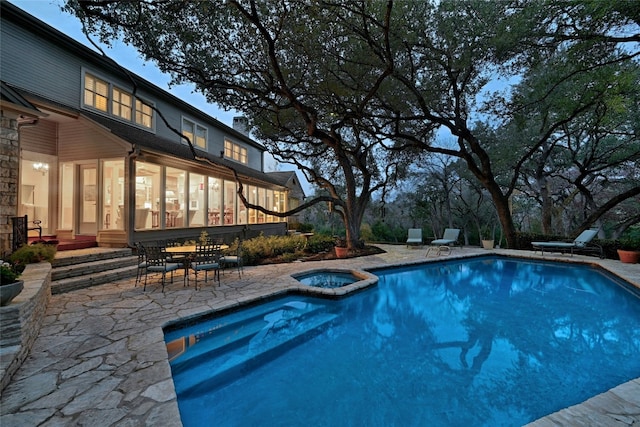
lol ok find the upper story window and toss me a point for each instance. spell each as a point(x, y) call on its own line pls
point(102, 96)
point(197, 134)
point(235, 152)
point(96, 92)
point(144, 114)
point(121, 105)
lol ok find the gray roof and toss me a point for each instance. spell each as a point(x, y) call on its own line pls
point(147, 141)
point(8, 94)
point(287, 179)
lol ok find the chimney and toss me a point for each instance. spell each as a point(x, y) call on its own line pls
point(241, 124)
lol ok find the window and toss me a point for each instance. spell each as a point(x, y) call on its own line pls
point(147, 196)
point(144, 114)
point(96, 92)
point(113, 194)
point(100, 95)
point(121, 105)
point(196, 200)
point(235, 152)
point(197, 134)
point(229, 202)
point(175, 198)
point(215, 201)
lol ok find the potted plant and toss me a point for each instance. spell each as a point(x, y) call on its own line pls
point(487, 236)
point(629, 250)
point(10, 286)
point(341, 247)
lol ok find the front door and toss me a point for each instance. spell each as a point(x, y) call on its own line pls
point(88, 200)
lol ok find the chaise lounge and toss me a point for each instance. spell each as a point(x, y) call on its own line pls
point(443, 246)
point(450, 237)
point(581, 243)
point(414, 236)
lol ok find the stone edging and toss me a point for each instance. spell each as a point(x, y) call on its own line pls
point(20, 321)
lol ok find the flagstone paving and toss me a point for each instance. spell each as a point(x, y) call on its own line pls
point(100, 358)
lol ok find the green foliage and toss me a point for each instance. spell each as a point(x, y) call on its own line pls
point(319, 243)
point(287, 248)
point(302, 227)
point(270, 246)
point(629, 243)
point(523, 240)
point(8, 273)
point(29, 254)
point(383, 232)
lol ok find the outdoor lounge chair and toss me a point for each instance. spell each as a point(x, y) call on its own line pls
point(443, 246)
point(415, 236)
point(581, 243)
point(450, 237)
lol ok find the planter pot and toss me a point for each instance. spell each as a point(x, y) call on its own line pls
point(341, 252)
point(630, 257)
point(487, 244)
point(9, 291)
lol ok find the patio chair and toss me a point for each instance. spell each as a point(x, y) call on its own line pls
point(236, 260)
point(206, 258)
point(582, 243)
point(414, 236)
point(156, 260)
point(450, 237)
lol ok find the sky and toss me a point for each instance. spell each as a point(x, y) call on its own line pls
point(49, 11)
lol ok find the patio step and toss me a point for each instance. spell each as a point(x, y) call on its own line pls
point(90, 267)
point(247, 343)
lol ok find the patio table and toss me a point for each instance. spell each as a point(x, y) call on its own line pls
point(187, 249)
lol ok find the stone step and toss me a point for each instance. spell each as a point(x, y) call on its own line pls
point(93, 279)
point(88, 255)
point(89, 268)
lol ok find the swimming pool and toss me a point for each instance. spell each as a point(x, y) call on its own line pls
point(488, 341)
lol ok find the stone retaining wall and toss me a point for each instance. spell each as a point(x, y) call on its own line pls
point(21, 320)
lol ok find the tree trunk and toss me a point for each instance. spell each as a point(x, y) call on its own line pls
point(547, 207)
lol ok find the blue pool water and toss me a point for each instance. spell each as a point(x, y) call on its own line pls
point(482, 342)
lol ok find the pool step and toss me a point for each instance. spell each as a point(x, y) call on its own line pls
point(281, 329)
point(231, 334)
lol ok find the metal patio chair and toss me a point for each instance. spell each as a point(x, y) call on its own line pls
point(234, 260)
point(206, 258)
point(156, 259)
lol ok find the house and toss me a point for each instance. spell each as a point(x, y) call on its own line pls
point(295, 196)
point(99, 154)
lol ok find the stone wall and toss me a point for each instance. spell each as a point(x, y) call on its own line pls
point(9, 170)
point(20, 321)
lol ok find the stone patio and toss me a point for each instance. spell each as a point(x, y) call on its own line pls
point(100, 358)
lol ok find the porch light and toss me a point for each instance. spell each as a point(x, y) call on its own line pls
point(41, 167)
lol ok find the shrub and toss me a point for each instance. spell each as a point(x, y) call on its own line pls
point(319, 243)
point(271, 246)
point(629, 244)
point(29, 254)
point(301, 227)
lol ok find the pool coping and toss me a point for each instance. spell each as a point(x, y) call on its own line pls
point(121, 361)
